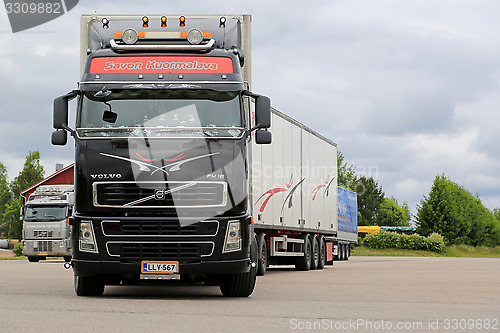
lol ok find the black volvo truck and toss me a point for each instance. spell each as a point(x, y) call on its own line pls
point(164, 121)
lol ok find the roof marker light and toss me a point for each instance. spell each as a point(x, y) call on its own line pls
point(163, 21)
point(145, 21)
point(182, 21)
point(105, 23)
point(222, 22)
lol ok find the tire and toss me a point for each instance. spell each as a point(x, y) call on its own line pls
point(322, 253)
point(33, 259)
point(315, 252)
point(89, 285)
point(262, 254)
point(348, 252)
point(336, 257)
point(241, 284)
point(344, 253)
point(304, 263)
point(67, 258)
point(341, 252)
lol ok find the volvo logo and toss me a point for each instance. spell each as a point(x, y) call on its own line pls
point(102, 176)
point(160, 194)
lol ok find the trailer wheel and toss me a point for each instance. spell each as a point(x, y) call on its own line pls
point(33, 259)
point(315, 252)
point(348, 252)
point(322, 253)
point(89, 285)
point(304, 262)
point(262, 252)
point(344, 252)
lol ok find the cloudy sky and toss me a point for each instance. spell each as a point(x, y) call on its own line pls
point(407, 89)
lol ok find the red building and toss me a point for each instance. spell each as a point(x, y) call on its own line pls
point(65, 176)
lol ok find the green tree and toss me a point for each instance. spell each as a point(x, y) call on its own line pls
point(391, 214)
point(496, 212)
point(453, 212)
point(5, 195)
point(13, 226)
point(31, 174)
point(346, 172)
point(370, 197)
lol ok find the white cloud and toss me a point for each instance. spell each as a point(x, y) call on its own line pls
point(408, 90)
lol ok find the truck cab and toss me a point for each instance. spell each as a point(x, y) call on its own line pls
point(46, 231)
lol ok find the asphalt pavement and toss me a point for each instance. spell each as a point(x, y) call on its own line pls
point(364, 294)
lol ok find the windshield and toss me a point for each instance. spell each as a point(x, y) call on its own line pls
point(161, 113)
point(45, 213)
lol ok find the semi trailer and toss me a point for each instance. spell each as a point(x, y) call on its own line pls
point(177, 175)
point(46, 232)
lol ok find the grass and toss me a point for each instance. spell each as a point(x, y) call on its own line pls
point(464, 251)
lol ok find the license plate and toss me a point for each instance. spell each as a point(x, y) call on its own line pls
point(42, 253)
point(159, 267)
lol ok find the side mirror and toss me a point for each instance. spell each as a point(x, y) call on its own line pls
point(263, 112)
point(59, 138)
point(61, 110)
point(263, 137)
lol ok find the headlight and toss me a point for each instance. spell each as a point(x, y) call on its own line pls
point(233, 237)
point(87, 239)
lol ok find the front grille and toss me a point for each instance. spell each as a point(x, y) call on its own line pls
point(160, 250)
point(45, 246)
point(42, 234)
point(160, 195)
point(159, 228)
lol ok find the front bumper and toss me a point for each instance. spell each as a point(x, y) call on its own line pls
point(46, 247)
point(197, 250)
point(87, 267)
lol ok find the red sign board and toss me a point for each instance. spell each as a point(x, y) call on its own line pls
point(161, 64)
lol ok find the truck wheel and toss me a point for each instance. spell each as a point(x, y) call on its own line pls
point(89, 285)
point(344, 252)
point(33, 259)
point(322, 253)
point(262, 252)
point(315, 252)
point(241, 284)
point(304, 263)
point(348, 252)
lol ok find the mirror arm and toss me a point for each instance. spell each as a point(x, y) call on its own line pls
point(70, 96)
point(70, 130)
point(249, 93)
